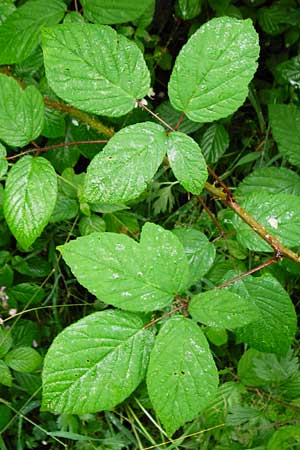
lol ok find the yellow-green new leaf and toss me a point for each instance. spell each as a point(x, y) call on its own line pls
point(182, 377)
point(212, 71)
point(29, 198)
point(96, 363)
point(94, 68)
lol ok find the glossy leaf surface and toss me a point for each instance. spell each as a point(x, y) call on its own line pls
point(181, 363)
point(96, 363)
point(30, 197)
point(21, 112)
point(128, 162)
point(212, 71)
point(94, 68)
point(132, 276)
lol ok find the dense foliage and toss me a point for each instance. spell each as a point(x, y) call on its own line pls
point(149, 224)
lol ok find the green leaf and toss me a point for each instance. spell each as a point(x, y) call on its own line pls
point(283, 119)
point(121, 222)
point(5, 375)
point(276, 18)
point(275, 330)
point(275, 180)
point(23, 359)
point(278, 213)
point(214, 143)
point(182, 377)
point(188, 9)
point(288, 72)
point(212, 71)
point(199, 251)
point(29, 200)
point(187, 161)
point(21, 112)
point(128, 162)
point(285, 438)
point(26, 294)
point(170, 115)
point(128, 275)
point(221, 308)
point(96, 363)
point(5, 341)
point(3, 162)
point(104, 81)
point(20, 33)
point(6, 8)
point(120, 11)
point(91, 224)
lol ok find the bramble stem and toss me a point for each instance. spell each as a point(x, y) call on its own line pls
point(54, 146)
point(279, 249)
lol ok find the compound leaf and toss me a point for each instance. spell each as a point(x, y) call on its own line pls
point(278, 213)
point(20, 33)
point(285, 125)
point(128, 275)
point(187, 161)
point(29, 198)
point(212, 71)
point(96, 363)
point(223, 309)
point(182, 377)
point(21, 112)
point(128, 162)
point(94, 68)
point(114, 11)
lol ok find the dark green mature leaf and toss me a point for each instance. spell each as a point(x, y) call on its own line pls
point(188, 9)
point(275, 330)
point(199, 251)
point(114, 11)
point(187, 162)
point(96, 363)
point(275, 180)
point(123, 273)
point(21, 112)
point(29, 200)
point(288, 72)
point(90, 224)
point(23, 359)
point(214, 143)
point(221, 308)
point(278, 213)
point(20, 33)
point(285, 125)
point(128, 162)
point(166, 111)
point(182, 377)
point(212, 71)
point(94, 68)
